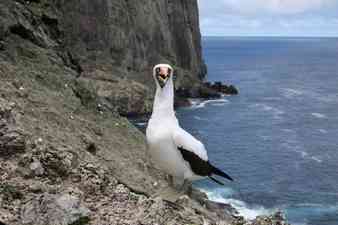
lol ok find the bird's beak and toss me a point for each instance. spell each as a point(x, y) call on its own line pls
point(162, 75)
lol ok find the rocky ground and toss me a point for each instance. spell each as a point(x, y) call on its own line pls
point(67, 158)
point(44, 181)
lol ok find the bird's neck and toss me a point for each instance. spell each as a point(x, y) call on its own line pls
point(164, 100)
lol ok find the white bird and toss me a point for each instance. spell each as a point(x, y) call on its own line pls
point(174, 150)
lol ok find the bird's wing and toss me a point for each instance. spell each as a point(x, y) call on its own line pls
point(183, 139)
point(193, 151)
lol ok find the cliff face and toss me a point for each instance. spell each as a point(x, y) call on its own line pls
point(111, 44)
point(133, 35)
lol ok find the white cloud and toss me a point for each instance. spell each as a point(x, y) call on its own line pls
point(269, 17)
point(294, 6)
point(270, 6)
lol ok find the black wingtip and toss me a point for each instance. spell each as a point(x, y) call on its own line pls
point(221, 173)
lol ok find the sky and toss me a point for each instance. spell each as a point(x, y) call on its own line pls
point(269, 17)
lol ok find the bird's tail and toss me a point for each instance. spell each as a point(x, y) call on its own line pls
point(216, 181)
point(219, 172)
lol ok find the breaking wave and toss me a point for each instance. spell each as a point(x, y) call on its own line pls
point(290, 93)
point(223, 195)
point(319, 115)
point(276, 113)
point(197, 103)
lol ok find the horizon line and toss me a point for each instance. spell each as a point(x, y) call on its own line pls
point(274, 36)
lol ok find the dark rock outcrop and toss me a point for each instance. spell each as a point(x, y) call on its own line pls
point(206, 90)
point(222, 88)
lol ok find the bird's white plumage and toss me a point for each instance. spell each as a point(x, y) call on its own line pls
point(162, 65)
point(164, 135)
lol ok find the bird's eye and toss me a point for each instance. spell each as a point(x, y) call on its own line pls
point(158, 70)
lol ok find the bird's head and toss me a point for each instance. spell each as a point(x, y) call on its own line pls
point(162, 73)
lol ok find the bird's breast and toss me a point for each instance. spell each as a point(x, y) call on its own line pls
point(159, 131)
point(157, 136)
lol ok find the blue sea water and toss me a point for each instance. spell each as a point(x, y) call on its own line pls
point(279, 137)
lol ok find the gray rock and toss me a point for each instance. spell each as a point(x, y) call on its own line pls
point(126, 96)
point(2, 45)
point(57, 162)
point(276, 219)
point(12, 140)
point(5, 217)
point(37, 168)
point(50, 209)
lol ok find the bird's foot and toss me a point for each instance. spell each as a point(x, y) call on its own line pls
point(168, 194)
point(175, 190)
point(184, 188)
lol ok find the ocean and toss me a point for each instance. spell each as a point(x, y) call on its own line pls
point(279, 137)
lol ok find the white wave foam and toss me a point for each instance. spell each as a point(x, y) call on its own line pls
point(319, 115)
point(295, 147)
point(290, 93)
point(272, 98)
point(304, 154)
point(268, 108)
point(141, 124)
point(317, 159)
point(288, 130)
point(331, 98)
point(199, 118)
point(299, 150)
point(218, 104)
point(196, 103)
point(265, 137)
point(276, 113)
point(323, 131)
point(307, 156)
point(249, 213)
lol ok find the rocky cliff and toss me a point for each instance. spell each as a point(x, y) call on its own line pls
point(68, 69)
point(111, 44)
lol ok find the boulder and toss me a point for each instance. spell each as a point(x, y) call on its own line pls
point(276, 219)
point(222, 88)
point(11, 143)
point(36, 168)
point(5, 217)
point(12, 140)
